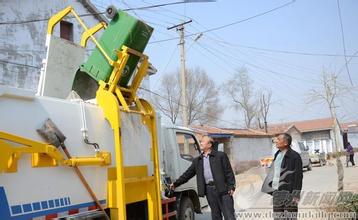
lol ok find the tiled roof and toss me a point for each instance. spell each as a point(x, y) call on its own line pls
point(248, 132)
point(205, 129)
point(303, 126)
point(346, 125)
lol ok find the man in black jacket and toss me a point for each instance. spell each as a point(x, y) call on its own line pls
point(284, 182)
point(215, 179)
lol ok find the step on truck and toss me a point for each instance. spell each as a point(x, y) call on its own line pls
point(85, 146)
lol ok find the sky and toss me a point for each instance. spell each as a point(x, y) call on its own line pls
point(258, 44)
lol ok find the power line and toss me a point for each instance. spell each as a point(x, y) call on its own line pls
point(346, 63)
point(159, 5)
point(343, 41)
point(91, 14)
point(230, 24)
point(262, 68)
point(45, 19)
point(225, 60)
point(288, 51)
point(249, 18)
point(19, 64)
point(266, 56)
point(207, 114)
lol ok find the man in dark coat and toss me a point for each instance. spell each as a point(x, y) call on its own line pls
point(215, 179)
point(284, 181)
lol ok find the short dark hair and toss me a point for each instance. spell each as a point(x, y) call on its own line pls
point(287, 137)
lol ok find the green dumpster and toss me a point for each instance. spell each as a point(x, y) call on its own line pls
point(122, 30)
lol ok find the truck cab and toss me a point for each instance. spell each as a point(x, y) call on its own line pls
point(178, 147)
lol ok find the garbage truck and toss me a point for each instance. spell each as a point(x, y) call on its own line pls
point(85, 146)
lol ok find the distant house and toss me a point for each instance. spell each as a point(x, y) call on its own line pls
point(316, 134)
point(245, 147)
point(23, 36)
point(223, 137)
point(351, 130)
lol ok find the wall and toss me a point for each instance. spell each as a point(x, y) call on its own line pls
point(316, 135)
point(25, 43)
point(295, 134)
point(322, 140)
point(247, 149)
point(353, 136)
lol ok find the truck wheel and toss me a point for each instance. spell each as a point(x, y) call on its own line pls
point(186, 209)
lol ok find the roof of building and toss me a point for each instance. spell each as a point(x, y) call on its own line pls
point(210, 130)
point(303, 126)
point(345, 126)
point(322, 124)
point(248, 132)
point(227, 132)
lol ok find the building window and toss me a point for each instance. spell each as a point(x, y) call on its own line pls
point(66, 30)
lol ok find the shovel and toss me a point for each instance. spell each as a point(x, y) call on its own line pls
point(54, 136)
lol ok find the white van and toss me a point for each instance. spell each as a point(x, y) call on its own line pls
point(300, 148)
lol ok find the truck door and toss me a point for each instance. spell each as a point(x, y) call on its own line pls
point(188, 149)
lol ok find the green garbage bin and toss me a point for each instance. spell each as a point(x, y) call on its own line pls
point(122, 30)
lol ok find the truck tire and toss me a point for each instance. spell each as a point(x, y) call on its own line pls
point(186, 209)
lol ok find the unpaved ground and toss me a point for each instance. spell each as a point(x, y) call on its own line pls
point(317, 185)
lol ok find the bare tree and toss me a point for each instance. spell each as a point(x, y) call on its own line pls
point(169, 100)
point(239, 88)
point(328, 94)
point(202, 97)
point(264, 107)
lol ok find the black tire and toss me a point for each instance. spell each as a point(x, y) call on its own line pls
point(309, 167)
point(321, 164)
point(186, 209)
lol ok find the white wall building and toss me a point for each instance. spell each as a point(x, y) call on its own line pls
point(317, 134)
point(23, 29)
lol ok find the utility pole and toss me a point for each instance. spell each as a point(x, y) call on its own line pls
point(183, 100)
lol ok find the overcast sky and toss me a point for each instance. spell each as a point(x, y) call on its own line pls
point(271, 47)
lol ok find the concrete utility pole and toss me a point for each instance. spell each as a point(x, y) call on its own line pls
point(183, 100)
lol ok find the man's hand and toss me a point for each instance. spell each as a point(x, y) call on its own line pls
point(231, 192)
point(171, 186)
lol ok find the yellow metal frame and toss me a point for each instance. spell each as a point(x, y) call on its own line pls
point(130, 184)
point(125, 184)
point(87, 34)
point(42, 154)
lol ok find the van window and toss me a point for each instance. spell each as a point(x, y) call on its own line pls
point(188, 147)
point(302, 146)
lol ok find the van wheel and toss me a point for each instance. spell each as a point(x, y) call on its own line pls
point(186, 209)
point(309, 167)
point(321, 163)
